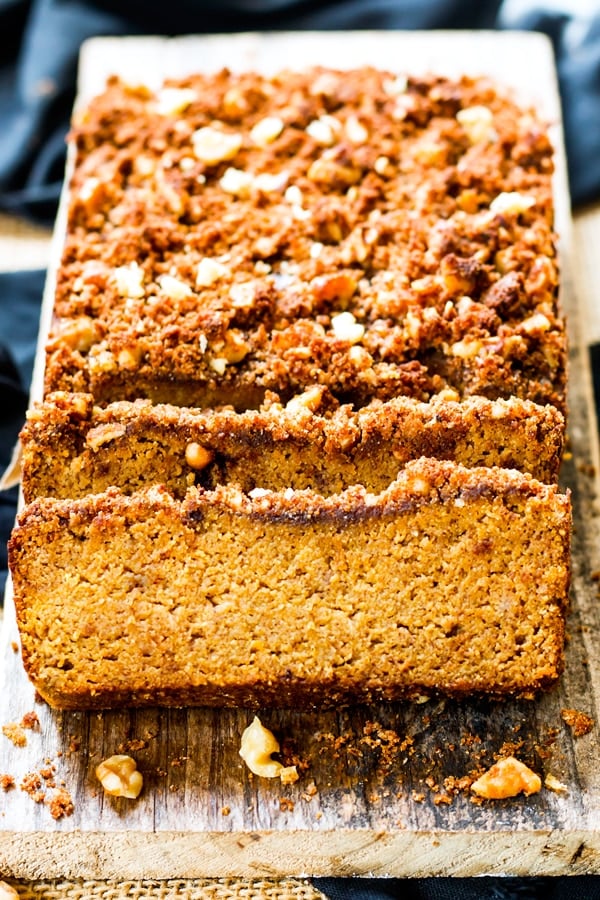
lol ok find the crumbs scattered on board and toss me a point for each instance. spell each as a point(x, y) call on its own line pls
point(579, 722)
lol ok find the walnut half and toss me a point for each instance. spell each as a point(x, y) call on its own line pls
point(258, 743)
point(119, 776)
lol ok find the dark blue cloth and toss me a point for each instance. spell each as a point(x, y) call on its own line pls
point(39, 43)
point(576, 888)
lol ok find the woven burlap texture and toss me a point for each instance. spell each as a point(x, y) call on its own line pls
point(174, 889)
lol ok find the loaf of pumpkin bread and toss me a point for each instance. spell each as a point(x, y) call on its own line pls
point(304, 399)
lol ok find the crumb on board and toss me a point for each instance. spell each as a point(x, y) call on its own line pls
point(60, 803)
point(15, 733)
point(309, 792)
point(74, 743)
point(31, 784)
point(30, 721)
point(132, 746)
point(7, 782)
point(579, 722)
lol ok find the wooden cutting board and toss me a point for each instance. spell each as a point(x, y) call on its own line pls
point(380, 792)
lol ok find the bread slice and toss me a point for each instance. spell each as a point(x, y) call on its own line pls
point(451, 581)
point(72, 447)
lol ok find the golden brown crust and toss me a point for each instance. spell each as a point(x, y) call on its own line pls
point(330, 599)
point(379, 202)
point(72, 447)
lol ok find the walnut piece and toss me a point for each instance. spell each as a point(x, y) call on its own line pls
point(477, 123)
point(212, 146)
point(129, 280)
point(258, 743)
point(511, 203)
point(119, 776)
point(507, 778)
point(197, 456)
point(266, 130)
point(170, 100)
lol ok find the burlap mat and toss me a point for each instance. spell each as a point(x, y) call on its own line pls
point(174, 889)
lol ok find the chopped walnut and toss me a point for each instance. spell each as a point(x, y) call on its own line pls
point(270, 184)
point(324, 130)
point(511, 203)
point(170, 100)
point(346, 328)
point(294, 195)
point(340, 288)
point(104, 434)
point(209, 271)
point(307, 400)
point(212, 146)
point(477, 123)
point(174, 288)
point(129, 280)
point(197, 456)
point(258, 743)
point(218, 364)
point(356, 131)
point(80, 334)
point(237, 182)
point(553, 784)
point(242, 294)
point(119, 776)
point(536, 324)
point(395, 86)
point(507, 778)
point(266, 130)
point(466, 349)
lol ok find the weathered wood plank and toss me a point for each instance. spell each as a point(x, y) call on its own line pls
point(378, 802)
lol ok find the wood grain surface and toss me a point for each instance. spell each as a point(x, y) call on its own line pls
point(380, 791)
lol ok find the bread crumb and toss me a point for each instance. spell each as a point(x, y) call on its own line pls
point(579, 722)
point(15, 733)
point(60, 803)
point(32, 785)
point(7, 782)
point(30, 720)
